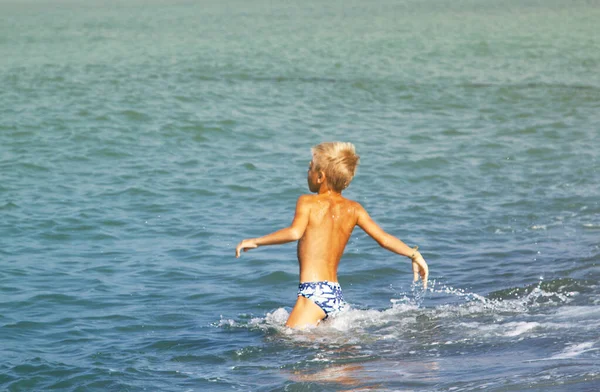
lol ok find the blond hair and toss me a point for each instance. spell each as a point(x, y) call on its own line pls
point(338, 160)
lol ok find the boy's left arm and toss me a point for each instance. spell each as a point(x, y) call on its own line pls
point(292, 233)
point(391, 243)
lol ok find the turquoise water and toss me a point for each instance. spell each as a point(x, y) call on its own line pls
point(140, 141)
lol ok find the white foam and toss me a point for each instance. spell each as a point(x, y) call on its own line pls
point(455, 291)
point(571, 351)
point(226, 322)
point(591, 226)
point(578, 313)
point(477, 304)
point(489, 330)
point(349, 327)
point(519, 328)
point(504, 230)
point(278, 317)
point(470, 317)
point(357, 319)
point(574, 350)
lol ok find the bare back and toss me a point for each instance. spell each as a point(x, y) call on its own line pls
point(322, 225)
point(331, 220)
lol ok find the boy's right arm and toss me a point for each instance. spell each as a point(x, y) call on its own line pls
point(393, 244)
point(292, 233)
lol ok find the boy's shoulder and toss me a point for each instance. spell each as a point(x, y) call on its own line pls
point(313, 199)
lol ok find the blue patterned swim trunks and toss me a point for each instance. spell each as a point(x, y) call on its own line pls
point(327, 295)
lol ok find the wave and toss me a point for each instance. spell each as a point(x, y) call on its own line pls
point(213, 75)
point(571, 351)
point(464, 319)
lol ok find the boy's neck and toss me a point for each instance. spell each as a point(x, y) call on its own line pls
point(324, 189)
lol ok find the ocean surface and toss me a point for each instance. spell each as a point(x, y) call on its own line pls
point(140, 141)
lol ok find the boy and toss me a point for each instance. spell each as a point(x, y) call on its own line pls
point(322, 226)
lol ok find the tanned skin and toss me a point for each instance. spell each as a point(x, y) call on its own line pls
point(322, 226)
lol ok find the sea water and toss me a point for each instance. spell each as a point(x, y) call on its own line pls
point(140, 141)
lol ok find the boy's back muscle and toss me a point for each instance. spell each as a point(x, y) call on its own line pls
point(331, 221)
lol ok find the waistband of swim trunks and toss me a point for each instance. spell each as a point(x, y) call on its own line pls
point(322, 282)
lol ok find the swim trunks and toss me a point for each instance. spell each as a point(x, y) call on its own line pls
point(326, 295)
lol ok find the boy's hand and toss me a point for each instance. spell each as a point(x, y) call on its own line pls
point(419, 266)
point(245, 245)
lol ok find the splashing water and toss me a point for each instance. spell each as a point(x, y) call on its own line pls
point(461, 314)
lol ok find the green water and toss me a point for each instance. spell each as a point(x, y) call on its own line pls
point(140, 141)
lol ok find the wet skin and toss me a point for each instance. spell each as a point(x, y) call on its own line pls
point(322, 225)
